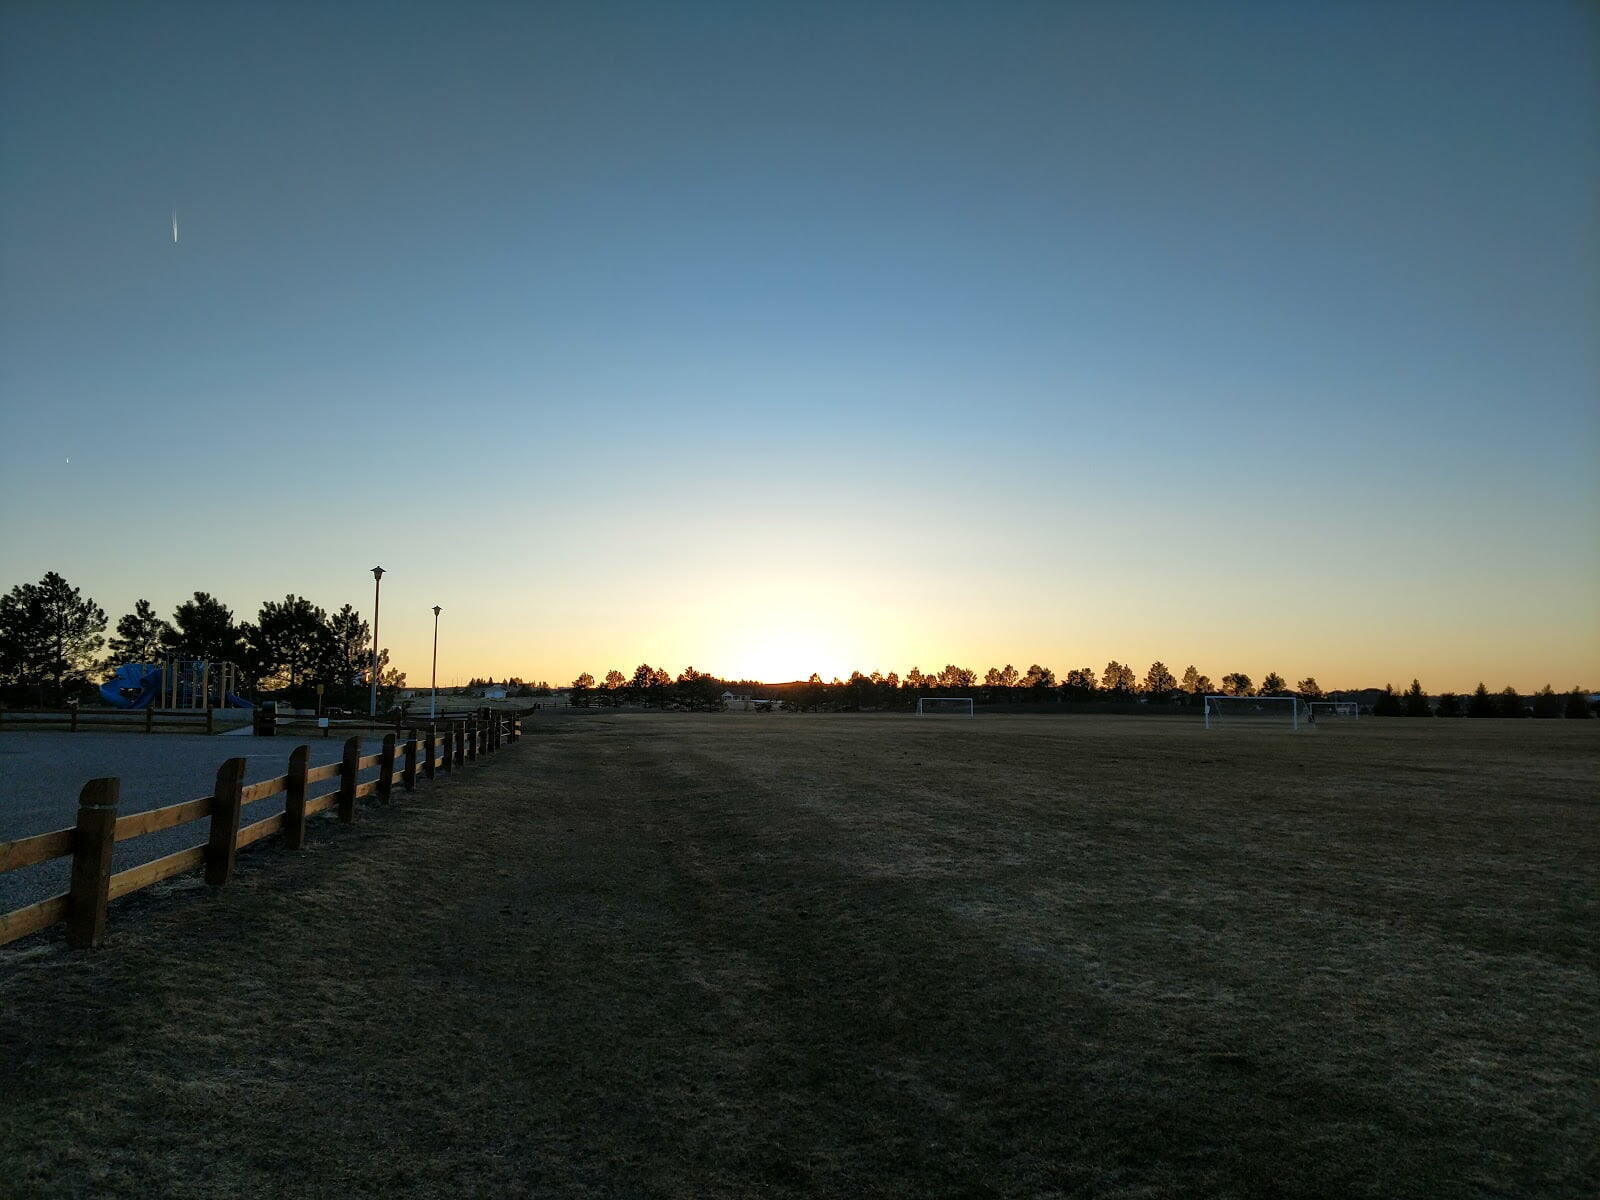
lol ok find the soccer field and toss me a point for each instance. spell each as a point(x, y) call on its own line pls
point(791, 955)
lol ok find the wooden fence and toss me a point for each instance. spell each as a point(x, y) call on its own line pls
point(148, 719)
point(90, 842)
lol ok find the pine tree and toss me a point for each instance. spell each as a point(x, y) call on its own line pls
point(140, 635)
point(1417, 701)
point(1511, 704)
point(1388, 704)
point(1481, 703)
point(49, 635)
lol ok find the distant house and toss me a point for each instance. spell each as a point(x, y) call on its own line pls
point(736, 703)
point(494, 692)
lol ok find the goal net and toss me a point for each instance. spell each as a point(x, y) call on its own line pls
point(929, 706)
point(1280, 712)
point(1317, 709)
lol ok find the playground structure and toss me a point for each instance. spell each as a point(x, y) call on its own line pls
point(177, 684)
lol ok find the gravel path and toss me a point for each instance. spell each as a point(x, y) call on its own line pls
point(42, 772)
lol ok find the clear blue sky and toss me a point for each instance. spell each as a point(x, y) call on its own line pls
point(1261, 336)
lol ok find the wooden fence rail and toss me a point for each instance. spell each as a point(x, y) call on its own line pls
point(90, 843)
point(147, 719)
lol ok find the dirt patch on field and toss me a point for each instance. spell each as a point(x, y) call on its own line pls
point(686, 956)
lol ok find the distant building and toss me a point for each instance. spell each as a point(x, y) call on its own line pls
point(494, 692)
point(735, 703)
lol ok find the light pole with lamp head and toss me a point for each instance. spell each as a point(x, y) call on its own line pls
point(433, 700)
point(377, 584)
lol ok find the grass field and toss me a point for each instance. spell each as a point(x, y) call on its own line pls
point(672, 955)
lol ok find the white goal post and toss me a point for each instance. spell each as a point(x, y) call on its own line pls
point(960, 706)
point(1333, 708)
point(1283, 712)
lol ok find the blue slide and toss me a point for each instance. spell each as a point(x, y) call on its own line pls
point(132, 677)
point(146, 682)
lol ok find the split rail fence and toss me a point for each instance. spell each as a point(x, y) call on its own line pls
point(91, 841)
point(195, 720)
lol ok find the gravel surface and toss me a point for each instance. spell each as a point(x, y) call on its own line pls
point(42, 772)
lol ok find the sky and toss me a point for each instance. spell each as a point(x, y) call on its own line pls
point(775, 338)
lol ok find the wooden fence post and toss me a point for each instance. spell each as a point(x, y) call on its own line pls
point(408, 774)
point(211, 719)
point(472, 739)
point(431, 753)
point(92, 844)
point(461, 743)
point(150, 718)
point(347, 780)
point(74, 718)
point(386, 770)
point(225, 805)
point(294, 805)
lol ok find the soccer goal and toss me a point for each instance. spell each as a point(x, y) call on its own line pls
point(958, 706)
point(1317, 709)
point(1280, 712)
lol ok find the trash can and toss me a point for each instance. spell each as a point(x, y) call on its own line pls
point(264, 719)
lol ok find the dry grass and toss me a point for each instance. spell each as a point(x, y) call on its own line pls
point(774, 955)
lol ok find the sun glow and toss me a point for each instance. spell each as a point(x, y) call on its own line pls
point(775, 652)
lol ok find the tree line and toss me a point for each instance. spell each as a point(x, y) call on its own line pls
point(53, 645)
point(1546, 702)
point(1118, 683)
point(693, 690)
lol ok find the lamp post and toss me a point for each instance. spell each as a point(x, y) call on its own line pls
point(377, 584)
point(433, 700)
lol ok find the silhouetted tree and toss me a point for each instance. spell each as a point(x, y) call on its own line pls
point(1309, 688)
point(1547, 702)
point(1237, 683)
point(347, 655)
point(1117, 679)
point(49, 636)
point(1578, 706)
point(1482, 703)
point(204, 629)
point(140, 636)
point(1039, 680)
point(1273, 685)
point(615, 682)
point(1511, 704)
point(288, 642)
point(1159, 681)
point(1388, 704)
point(1449, 705)
point(578, 693)
point(1080, 684)
point(1416, 701)
point(1191, 680)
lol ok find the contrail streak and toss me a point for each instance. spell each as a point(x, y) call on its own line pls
point(174, 227)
